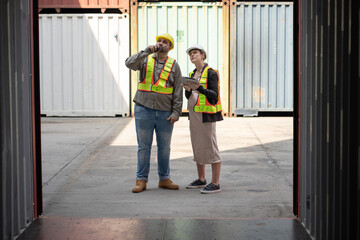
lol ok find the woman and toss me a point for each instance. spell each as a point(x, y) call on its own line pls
point(204, 110)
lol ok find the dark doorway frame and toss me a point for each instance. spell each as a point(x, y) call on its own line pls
point(36, 111)
point(296, 109)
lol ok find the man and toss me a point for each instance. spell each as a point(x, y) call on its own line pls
point(158, 104)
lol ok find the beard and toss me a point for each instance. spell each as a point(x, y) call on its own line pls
point(163, 50)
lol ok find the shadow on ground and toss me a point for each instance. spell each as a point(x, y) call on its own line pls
point(97, 178)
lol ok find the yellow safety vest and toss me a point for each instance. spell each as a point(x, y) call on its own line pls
point(203, 104)
point(160, 86)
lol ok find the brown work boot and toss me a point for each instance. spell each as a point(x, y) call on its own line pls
point(140, 186)
point(168, 184)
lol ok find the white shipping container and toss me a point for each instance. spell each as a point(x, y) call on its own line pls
point(82, 64)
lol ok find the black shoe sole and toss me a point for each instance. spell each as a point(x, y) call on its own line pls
point(209, 192)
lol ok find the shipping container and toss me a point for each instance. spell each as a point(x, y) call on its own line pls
point(18, 189)
point(261, 57)
point(189, 23)
point(123, 5)
point(82, 66)
point(328, 118)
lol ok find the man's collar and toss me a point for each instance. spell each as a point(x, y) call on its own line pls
point(156, 57)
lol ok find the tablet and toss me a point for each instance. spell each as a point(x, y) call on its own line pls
point(188, 79)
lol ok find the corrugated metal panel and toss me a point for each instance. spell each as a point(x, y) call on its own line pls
point(264, 57)
point(121, 4)
point(16, 190)
point(82, 66)
point(329, 118)
point(188, 23)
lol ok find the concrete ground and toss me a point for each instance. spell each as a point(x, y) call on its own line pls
point(89, 167)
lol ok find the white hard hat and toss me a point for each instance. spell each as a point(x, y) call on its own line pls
point(197, 47)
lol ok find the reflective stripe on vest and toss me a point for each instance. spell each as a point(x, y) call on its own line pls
point(203, 104)
point(160, 86)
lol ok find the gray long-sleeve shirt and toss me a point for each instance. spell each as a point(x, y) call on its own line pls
point(165, 102)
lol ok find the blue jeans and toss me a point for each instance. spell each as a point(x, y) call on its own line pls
point(146, 121)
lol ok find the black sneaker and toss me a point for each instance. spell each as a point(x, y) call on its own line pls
point(211, 188)
point(196, 184)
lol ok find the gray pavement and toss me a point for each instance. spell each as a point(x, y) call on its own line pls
point(89, 167)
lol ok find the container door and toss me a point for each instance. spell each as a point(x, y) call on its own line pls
point(189, 23)
point(82, 68)
point(261, 47)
